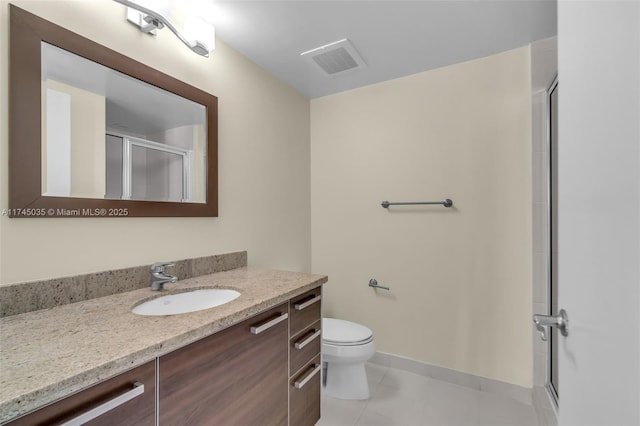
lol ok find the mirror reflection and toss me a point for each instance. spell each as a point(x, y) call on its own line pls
point(107, 135)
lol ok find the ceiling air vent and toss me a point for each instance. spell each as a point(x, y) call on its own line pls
point(335, 58)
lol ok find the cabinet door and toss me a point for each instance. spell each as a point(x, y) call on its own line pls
point(234, 377)
point(127, 399)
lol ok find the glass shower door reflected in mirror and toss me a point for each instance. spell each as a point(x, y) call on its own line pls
point(139, 169)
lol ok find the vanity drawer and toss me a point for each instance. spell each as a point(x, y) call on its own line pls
point(304, 310)
point(130, 396)
point(304, 395)
point(304, 346)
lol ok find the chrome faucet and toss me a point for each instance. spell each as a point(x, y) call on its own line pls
point(159, 278)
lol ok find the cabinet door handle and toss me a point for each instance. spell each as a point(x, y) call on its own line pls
point(301, 306)
point(138, 389)
point(305, 342)
point(267, 325)
point(301, 383)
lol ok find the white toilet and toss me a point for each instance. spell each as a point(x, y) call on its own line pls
point(346, 346)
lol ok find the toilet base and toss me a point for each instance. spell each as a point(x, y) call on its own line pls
point(346, 381)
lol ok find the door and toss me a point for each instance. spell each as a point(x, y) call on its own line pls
point(237, 376)
point(598, 212)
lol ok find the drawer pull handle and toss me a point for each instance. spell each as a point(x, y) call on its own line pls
point(301, 383)
point(305, 342)
point(301, 306)
point(267, 325)
point(138, 389)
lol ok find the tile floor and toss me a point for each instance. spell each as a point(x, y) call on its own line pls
point(400, 398)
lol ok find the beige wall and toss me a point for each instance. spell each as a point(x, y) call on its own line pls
point(460, 278)
point(88, 128)
point(263, 168)
point(192, 137)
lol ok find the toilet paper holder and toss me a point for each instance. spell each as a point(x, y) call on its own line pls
point(374, 283)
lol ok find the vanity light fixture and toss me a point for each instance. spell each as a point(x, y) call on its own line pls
point(150, 15)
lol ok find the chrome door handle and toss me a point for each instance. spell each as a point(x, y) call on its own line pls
point(137, 390)
point(301, 306)
point(257, 329)
point(300, 384)
point(561, 321)
point(311, 338)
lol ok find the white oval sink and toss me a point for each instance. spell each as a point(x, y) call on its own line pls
point(189, 301)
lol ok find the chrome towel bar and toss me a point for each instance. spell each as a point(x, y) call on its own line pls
point(447, 203)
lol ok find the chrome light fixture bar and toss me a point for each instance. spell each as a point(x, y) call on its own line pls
point(152, 20)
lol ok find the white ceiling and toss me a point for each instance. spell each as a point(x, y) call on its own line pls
point(394, 37)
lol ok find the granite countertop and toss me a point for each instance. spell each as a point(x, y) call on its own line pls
point(49, 354)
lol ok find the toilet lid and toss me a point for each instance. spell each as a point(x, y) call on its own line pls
point(341, 332)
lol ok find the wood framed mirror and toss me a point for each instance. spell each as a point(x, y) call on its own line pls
point(151, 145)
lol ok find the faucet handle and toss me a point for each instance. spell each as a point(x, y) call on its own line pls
point(160, 266)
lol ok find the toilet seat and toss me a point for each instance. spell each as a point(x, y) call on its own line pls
point(345, 333)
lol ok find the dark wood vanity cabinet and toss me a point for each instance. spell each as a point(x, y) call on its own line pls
point(262, 371)
point(126, 399)
point(237, 376)
point(245, 375)
point(304, 358)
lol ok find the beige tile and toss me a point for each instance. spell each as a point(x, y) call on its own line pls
point(494, 410)
point(448, 404)
point(393, 405)
point(375, 373)
point(514, 392)
point(407, 384)
point(336, 412)
point(405, 398)
point(370, 418)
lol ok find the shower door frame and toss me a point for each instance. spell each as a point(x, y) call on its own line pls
point(128, 142)
point(552, 261)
